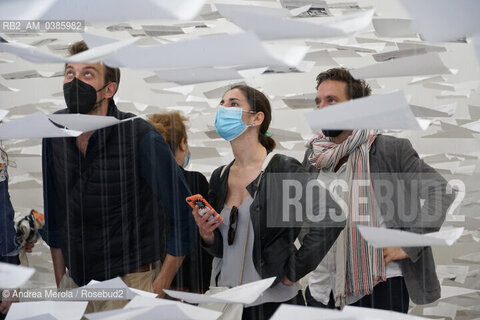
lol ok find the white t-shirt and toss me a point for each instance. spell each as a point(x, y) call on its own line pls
point(322, 279)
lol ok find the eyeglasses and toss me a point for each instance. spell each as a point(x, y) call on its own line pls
point(232, 227)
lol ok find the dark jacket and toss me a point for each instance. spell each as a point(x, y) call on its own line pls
point(274, 252)
point(393, 161)
point(120, 206)
point(194, 273)
point(8, 234)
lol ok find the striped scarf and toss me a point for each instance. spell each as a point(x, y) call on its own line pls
point(359, 267)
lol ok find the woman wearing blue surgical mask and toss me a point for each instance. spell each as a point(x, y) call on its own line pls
point(194, 274)
point(249, 247)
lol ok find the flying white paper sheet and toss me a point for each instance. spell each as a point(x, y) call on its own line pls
point(388, 111)
point(424, 79)
point(100, 11)
point(219, 50)
point(397, 54)
point(435, 19)
point(447, 86)
point(33, 54)
point(143, 293)
point(442, 309)
point(46, 316)
point(475, 126)
point(272, 24)
point(112, 283)
point(13, 276)
point(448, 291)
point(425, 64)
point(246, 293)
point(100, 52)
point(476, 45)
point(387, 238)
point(24, 181)
point(94, 40)
point(289, 312)
point(321, 58)
point(185, 311)
point(469, 258)
point(174, 312)
point(199, 75)
point(344, 44)
point(393, 27)
point(36, 125)
point(59, 309)
point(31, 74)
point(440, 111)
point(5, 88)
point(377, 314)
point(30, 53)
point(121, 314)
point(414, 44)
point(85, 122)
point(458, 273)
point(3, 114)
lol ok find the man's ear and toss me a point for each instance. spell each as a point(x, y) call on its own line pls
point(110, 90)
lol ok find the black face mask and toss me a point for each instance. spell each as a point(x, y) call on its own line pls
point(332, 133)
point(80, 97)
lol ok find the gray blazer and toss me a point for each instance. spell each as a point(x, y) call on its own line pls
point(394, 163)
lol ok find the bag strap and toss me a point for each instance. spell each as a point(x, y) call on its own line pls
point(223, 170)
point(265, 164)
point(262, 171)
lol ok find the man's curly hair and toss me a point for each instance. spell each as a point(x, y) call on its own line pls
point(354, 88)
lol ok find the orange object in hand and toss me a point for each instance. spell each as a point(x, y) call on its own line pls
point(203, 206)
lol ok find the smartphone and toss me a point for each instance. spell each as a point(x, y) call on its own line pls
point(203, 206)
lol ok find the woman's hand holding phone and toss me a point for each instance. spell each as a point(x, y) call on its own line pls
point(206, 225)
point(206, 218)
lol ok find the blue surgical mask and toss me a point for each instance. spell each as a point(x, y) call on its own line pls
point(187, 160)
point(229, 123)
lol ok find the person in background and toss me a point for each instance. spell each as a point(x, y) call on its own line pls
point(353, 272)
point(194, 274)
point(250, 247)
point(9, 246)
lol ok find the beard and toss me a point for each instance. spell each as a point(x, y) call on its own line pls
point(332, 133)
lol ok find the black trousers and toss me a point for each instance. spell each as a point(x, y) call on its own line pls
point(266, 310)
point(390, 295)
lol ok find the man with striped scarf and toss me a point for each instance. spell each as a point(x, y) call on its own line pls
point(353, 272)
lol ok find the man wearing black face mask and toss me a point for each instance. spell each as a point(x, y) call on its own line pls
point(114, 197)
point(354, 273)
point(81, 97)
